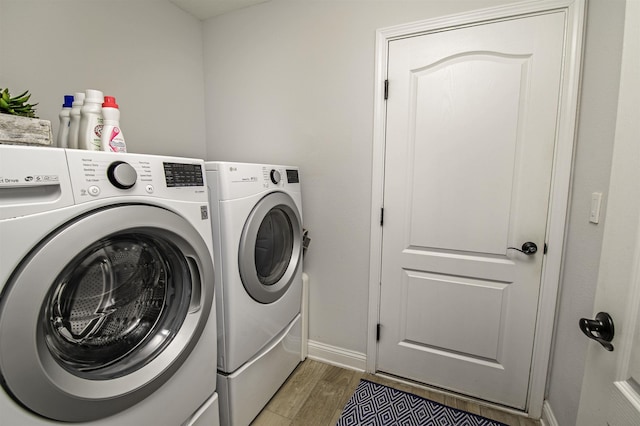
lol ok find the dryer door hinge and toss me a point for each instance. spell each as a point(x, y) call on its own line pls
point(381, 216)
point(386, 90)
point(378, 333)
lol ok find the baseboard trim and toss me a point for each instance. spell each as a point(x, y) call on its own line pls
point(548, 418)
point(339, 357)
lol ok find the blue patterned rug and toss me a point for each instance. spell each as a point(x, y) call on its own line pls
point(373, 404)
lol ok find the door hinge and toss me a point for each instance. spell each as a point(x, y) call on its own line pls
point(386, 89)
point(545, 249)
point(378, 333)
point(381, 216)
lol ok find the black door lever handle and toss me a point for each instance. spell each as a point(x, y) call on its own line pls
point(600, 329)
point(528, 248)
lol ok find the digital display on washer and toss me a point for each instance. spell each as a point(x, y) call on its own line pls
point(292, 176)
point(180, 174)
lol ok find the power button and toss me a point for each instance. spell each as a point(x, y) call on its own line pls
point(93, 190)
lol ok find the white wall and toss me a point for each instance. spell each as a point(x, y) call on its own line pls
point(146, 53)
point(594, 148)
point(1, 42)
point(292, 82)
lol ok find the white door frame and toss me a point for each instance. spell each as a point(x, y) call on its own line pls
point(560, 185)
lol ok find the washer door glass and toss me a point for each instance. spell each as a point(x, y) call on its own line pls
point(121, 299)
point(270, 247)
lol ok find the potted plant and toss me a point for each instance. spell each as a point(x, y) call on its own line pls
point(17, 105)
point(19, 123)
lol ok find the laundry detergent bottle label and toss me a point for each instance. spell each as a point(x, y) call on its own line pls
point(113, 139)
point(95, 141)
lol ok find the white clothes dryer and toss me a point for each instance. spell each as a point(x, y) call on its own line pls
point(107, 307)
point(257, 227)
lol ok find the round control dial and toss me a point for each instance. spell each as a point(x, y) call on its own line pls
point(275, 176)
point(122, 175)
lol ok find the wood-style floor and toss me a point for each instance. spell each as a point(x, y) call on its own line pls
point(315, 394)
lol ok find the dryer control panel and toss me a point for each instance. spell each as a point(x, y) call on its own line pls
point(238, 180)
point(96, 175)
point(279, 176)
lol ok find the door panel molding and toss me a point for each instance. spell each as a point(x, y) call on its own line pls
point(494, 214)
point(418, 287)
point(574, 11)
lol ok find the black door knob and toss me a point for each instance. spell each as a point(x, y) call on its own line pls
point(528, 248)
point(600, 329)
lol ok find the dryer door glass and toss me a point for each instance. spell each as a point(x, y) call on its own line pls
point(274, 246)
point(117, 305)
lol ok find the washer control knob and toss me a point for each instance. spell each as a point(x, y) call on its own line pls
point(275, 176)
point(122, 175)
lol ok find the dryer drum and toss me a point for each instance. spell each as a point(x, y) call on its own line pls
point(121, 297)
point(274, 246)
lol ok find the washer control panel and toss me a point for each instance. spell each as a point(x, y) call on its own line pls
point(183, 174)
point(96, 174)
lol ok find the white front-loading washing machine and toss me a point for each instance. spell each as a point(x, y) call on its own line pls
point(107, 307)
point(257, 227)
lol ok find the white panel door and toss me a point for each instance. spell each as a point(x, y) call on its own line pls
point(471, 129)
point(611, 387)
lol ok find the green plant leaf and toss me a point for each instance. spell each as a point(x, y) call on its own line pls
point(17, 105)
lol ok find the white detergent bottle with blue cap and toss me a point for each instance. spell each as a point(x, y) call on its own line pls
point(65, 122)
point(74, 120)
point(112, 137)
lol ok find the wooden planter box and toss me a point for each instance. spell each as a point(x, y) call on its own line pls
point(25, 131)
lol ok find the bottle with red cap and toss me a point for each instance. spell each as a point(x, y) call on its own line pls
point(112, 138)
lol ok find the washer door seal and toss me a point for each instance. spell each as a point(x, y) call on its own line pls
point(270, 247)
